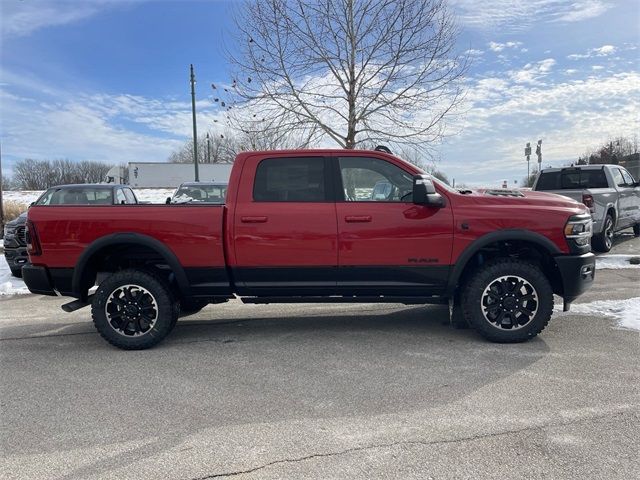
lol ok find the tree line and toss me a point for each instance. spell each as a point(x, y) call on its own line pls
point(30, 174)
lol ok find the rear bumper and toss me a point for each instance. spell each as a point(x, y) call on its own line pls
point(577, 273)
point(45, 281)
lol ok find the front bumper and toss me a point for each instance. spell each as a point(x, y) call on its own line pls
point(44, 281)
point(16, 257)
point(577, 273)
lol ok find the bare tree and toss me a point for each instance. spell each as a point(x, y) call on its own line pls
point(347, 70)
point(32, 174)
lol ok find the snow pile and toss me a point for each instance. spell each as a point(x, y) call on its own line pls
point(21, 196)
point(615, 261)
point(10, 285)
point(626, 312)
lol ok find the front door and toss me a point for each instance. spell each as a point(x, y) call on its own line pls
point(387, 245)
point(285, 238)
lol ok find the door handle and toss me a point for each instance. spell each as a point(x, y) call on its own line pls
point(357, 218)
point(253, 219)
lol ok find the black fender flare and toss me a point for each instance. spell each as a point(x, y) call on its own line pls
point(492, 237)
point(80, 275)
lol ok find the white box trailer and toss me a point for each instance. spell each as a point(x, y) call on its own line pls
point(170, 175)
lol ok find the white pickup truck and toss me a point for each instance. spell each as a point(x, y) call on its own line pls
point(610, 192)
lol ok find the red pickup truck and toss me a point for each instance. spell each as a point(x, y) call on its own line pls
point(317, 226)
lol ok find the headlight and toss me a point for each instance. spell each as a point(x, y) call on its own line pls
point(579, 228)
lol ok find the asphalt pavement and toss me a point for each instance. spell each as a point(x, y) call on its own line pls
point(321, 391)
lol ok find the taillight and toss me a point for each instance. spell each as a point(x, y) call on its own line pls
point(587, 199)
point(33, 243)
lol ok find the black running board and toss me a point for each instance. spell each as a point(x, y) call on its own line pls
point(76, 304)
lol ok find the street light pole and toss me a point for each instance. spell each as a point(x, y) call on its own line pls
point(539, 154)
point(208, 149)
point(195, 131)
point(527, 153)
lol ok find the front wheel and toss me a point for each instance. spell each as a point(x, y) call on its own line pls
point(134, 309)
point(508, 300)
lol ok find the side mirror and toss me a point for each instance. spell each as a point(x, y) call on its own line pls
point(424, 192)
point(168, 200)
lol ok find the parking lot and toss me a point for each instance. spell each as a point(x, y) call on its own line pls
point(321, 391)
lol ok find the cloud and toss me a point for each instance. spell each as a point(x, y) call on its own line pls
point(472, 52)
point(602, 51)
point(521, 15)
point(498, 47)
point(532, 72)
point(21, 18)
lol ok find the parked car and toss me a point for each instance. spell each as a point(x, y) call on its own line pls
point(15, 244)
point(610, 192)
point(205, 192)
point(88, 194)
point(289, 233)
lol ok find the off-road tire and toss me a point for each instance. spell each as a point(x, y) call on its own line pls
point(167, 309)
point(603, 241)
point(474, 289)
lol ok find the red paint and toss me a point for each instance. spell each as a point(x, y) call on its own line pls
point(263, 234)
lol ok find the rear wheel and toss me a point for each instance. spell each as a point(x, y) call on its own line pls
point(508, 301)
point(134, 309)
point(603, 241)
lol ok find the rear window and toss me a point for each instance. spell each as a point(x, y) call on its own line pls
point(572, 180)
point(290, 180)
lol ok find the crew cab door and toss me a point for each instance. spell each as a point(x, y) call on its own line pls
point(284, 227)
point(629, 200)
point(387, 244)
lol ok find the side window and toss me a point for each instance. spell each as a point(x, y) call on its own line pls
point(374, 180)
point(628, 179)
point(617, 177)
point(131, 198)
point(291, 180)
point(120, 198)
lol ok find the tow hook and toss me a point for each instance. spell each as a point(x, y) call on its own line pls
point(76, 304)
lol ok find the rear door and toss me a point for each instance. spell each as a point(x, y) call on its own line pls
point(284, 227)
point(387, 244)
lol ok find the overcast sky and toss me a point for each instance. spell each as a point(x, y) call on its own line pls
point(108, 80)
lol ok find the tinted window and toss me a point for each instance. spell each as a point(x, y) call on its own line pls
point(572, 179)
point(76, 196)
point(290, 180)
point(374, 180)
point(200, 193)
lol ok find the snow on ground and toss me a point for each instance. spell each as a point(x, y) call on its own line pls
point(153, 195)
point(626, 312)
point(612, 261)
point(10, 285)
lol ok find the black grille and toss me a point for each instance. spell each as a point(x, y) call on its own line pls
point(21, 236)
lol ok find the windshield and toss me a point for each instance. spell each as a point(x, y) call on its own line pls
point(76, 196)
point(200, 193)
point(572, 180)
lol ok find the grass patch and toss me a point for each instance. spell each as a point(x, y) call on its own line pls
point(13, 210)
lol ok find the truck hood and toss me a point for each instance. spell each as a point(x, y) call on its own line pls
point(529, 198)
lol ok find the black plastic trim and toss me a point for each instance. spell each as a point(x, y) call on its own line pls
point(81, 273)
point(37, 280)
point(577, 273)
point(499, 236)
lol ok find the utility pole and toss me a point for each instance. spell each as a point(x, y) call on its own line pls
point(1, 204)
point(539, 154)
point(195, 130)
point(527, 153)
point(208, 149)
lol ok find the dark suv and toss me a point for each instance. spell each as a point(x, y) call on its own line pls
point(15, 245)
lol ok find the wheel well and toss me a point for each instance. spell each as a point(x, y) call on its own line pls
point(612, 211)
point(522, 249)
point(119, 256)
